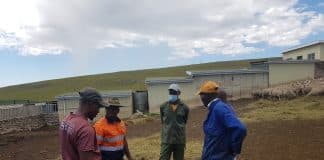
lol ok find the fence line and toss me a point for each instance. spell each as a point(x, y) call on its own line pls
point(49, 108)
point(20, 111)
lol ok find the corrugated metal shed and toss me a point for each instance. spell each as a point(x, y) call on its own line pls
point(237, 83)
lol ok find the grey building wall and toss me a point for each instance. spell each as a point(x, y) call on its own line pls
point(319, 69)
point(322, 52)
point(287, 72)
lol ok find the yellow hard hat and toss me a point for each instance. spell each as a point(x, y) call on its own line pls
point(208, 87)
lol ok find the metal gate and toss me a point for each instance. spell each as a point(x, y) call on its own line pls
point(140, 101)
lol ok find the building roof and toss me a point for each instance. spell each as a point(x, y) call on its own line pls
point(105, 94)
point(294, 62)
point(167, 80)
point(258, 62)
point(302, 46)
point(225, 72)
point(265, 60)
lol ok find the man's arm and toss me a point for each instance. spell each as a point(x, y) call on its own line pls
point(99, 133)
point(129, 157)
point(237, 130)
point(86, 144)
point(161, 114)
point(186, 113)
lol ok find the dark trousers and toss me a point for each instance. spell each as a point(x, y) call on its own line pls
point(177, 150)
point(112, 155)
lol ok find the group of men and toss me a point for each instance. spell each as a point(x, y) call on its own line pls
point(106, 140)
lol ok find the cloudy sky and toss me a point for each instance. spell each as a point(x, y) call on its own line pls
point(46, 39)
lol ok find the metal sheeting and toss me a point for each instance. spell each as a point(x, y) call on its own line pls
point(49, 108)
point(141, 101)
point(237, 85)
point(167, 80)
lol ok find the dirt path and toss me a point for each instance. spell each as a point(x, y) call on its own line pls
point(285, 140)
point(37, 145)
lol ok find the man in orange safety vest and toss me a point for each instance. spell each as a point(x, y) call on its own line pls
point(111, 134)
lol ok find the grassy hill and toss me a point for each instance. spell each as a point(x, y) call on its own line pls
point(127, 80)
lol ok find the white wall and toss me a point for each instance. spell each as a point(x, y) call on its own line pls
point(304, 52)
point(282, 73)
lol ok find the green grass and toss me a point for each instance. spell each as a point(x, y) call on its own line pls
point(128, 80)
point(148, 148)
point(310, 107)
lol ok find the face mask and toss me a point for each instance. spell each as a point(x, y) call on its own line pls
point(112, 119)
point(173, 98)
point(205, 100)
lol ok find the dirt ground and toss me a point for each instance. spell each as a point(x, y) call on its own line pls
point(275, 140)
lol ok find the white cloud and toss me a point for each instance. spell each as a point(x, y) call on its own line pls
point(7, 39)
point(213, 27)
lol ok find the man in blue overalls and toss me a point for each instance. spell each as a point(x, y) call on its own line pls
point(224, 133)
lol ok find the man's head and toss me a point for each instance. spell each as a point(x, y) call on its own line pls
point(174, 92)
point(90, 102)
point(208, 92)
point(112, 110)
point(112, 113)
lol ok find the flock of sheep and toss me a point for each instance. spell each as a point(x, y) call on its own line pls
point(291, 90)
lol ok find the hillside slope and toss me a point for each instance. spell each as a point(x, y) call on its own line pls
point(130, 80)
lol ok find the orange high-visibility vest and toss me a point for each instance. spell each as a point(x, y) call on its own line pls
point(110, 137)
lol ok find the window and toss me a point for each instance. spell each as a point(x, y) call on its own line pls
point(299, 57)
point(289, 59)
point(311, 56)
